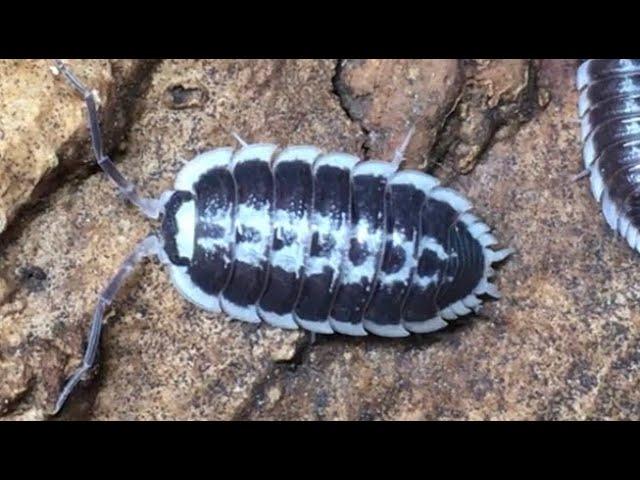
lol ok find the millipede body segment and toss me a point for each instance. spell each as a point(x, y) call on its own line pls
point(609, 109)
point(323, 241)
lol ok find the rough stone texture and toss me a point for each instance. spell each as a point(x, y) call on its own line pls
point(387, 97)
point(459, 107)
point(41, 128)
point(563, 343)
point(497, 97)
point(164, 357)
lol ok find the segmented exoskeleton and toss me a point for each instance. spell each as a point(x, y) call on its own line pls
point(299, 238)
point(609, 109)
point(326, 242)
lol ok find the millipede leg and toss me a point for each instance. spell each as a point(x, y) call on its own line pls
point(148, 247)
point(150, 207)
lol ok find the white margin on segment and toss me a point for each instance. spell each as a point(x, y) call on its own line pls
point(316, 327)
point(303, 153)
point(597, 184)
point(610, 211)
point(420, 180)
point(432, 325)
point(391, 331)
point(256, 151)
point(486, 239)
point(454, 199)
point(247, 314)
point(285, 321)
point(585, 128)
point(584, 104)
point(374, 168)
point(191, 172)
point(185, 286)
point(582, 76)
point(345, 161)
point(481, 233)
point(346, 328)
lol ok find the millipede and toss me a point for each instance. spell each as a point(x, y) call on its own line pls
point(301, 238)
point(609, 110)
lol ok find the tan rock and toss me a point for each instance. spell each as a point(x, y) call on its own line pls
point(498, 96)
point(16, 379)
point(42, 125)
point(163, 358)
point(563, 343)
point(387, 97)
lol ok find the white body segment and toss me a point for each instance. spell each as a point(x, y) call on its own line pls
point(401, 238)
point(252, 226)
point(186, 219)
point(189, 175)
point(186, 179)
point(371, 238)
point(293, 225)
point(332, 230)
point(253, 215)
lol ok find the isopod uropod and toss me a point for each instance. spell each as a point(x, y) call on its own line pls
point(609, 109)
point(299, 238)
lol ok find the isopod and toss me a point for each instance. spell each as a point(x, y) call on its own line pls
point(300, 238)
point(609, 109)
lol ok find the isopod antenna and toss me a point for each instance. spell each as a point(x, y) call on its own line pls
point(148, 247)
point(149, 206)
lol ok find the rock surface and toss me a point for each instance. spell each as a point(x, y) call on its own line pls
point(387, 97)
point(42, 131)
point(563, 343)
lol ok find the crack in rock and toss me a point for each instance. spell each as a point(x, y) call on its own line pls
point(48, 141)
point(163, 358)
point(536, 353)
point(498, 97)
point(459, 107)
point(387, 97)
point(352, 108)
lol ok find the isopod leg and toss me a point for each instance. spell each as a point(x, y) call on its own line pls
point(148, 247)
point(150, 207)
point(579, 176)
point(239, 139)
point(398, 156)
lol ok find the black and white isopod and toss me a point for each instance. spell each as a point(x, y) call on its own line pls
point(609, 109)
point(300, 238)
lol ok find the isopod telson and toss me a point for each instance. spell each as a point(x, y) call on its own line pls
point(299, 238)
